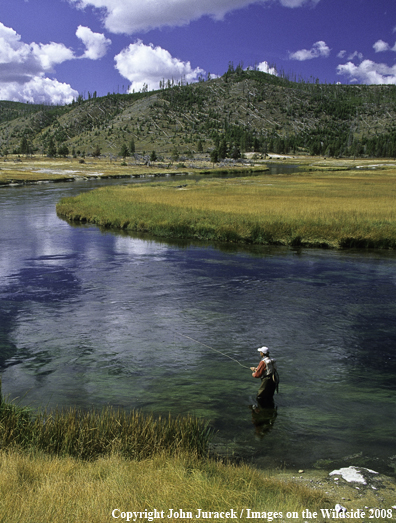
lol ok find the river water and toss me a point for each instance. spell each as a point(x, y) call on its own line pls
point(94, 318)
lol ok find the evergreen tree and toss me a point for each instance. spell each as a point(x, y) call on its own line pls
point(153, 156)
point(96, 151)
point(214, 156)
point(51, 149)
point(24, 146)
point(222, 150)
point(124, 151)
point(235, 152)
point(175, 155)
point(63, 150)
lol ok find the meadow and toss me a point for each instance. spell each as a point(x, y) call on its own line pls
point(314, 208)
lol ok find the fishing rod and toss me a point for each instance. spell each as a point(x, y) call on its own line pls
point(211, 348)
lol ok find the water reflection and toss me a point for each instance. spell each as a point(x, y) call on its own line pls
point(263, 419)
point(93, 318)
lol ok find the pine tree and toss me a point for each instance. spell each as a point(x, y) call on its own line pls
point(214, 156)
point(124, 151)
point(153, 156)
point(51, 150)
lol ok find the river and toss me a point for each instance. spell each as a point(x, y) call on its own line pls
point(91, 318)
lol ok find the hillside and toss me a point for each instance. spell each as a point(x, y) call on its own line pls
point(240, 112)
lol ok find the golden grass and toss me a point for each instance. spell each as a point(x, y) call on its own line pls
point(40, 488)
point(353, 208)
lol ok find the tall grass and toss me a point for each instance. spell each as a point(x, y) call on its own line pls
point(90, 434)
point(325, 209)
point(38, 488)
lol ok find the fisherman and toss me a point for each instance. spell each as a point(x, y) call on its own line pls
point(266, 370)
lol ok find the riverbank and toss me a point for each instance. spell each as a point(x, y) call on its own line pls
point(75, 465)
point(79, 465)
point(40, 487)
point(319, 208)
point(16, 171)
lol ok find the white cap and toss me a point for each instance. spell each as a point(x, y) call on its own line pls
point(264, 350)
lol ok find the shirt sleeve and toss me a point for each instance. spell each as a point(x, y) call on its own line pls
point(260, 369)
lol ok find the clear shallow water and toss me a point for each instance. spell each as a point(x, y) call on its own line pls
point(93, 318)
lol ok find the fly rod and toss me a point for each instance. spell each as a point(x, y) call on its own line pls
point(211, 348)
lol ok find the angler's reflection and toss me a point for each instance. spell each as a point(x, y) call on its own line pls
point(263, 417)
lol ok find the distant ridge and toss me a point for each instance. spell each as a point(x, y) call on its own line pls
point(240, 112)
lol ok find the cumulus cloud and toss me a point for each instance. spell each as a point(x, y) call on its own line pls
point(381, 46)
point(319, 49)
point(23, 67)
point(356, 54)
point(131, 16)
point(145, 64)
point(368, 72)
point(96, 43)
point(266, 68)
point(38, 90)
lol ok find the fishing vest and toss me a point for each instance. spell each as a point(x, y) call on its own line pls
point(270, 366)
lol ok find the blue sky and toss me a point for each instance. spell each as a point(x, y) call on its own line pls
point(53, 50)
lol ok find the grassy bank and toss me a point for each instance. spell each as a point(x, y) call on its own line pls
point(326, 208)
point(41, 488)
point(79, 466)
point(74, 466)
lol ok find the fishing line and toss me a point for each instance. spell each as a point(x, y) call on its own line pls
point(211, 348)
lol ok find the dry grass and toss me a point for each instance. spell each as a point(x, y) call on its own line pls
point(40, 488)
point(353, 208)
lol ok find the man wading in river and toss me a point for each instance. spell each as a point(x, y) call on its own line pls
point(266, 370)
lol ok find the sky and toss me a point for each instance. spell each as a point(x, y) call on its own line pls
point(52, 51)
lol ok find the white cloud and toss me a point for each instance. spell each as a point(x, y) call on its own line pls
point(355, 54)
point(131, 16)
point(96, 43)
point(51, 54)
point(381, 46)
point(265, 68)
point(23, 66)
point(341, 54)
point(368, 72)
point(145, 64)
point(319, 49)
point(38, 90)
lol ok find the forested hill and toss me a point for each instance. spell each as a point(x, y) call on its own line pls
point(240, 112)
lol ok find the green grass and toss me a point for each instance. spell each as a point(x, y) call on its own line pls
point(327, 209)
point(93, 433)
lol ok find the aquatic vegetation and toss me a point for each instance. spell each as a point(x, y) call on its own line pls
point(93, 433)
point(321, 209)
